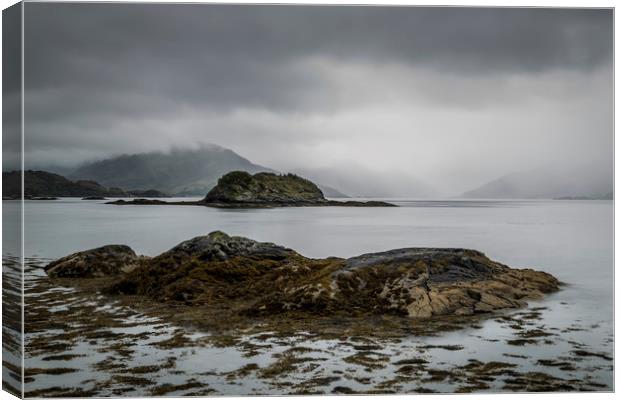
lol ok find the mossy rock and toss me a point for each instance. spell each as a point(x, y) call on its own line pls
point(263, 187)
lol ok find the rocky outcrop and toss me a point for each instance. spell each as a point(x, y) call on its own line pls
point(111, 260)
point(425, 282)
point(247, 277)
point(240, 189)
point(263, 188)
point(218, 246)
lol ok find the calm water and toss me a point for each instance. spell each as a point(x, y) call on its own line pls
point(573, 240)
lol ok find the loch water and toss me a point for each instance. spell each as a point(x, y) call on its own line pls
point(573, 240)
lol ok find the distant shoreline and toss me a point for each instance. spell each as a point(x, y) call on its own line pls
point(326, 203)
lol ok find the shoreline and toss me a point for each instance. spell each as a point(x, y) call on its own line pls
point(326, 203)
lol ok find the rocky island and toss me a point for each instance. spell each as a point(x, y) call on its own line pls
point(239, 189)
point(235, 277)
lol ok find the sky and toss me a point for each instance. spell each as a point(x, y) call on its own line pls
point(454, 97)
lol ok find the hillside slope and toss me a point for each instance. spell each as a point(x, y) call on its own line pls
point(546, 183)
point(179, 172)
point(44, 184)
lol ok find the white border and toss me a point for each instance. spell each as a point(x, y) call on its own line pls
point(476, 3)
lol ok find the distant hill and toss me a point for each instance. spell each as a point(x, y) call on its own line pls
point(331, 192)
point(357, 181)
point(46, 184)
point(602, 196)
point(147, 193)
point(547, 183)
point(178, 172)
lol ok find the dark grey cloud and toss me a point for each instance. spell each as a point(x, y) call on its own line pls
point(227, 55)
point(283, 84)
point(11, 85)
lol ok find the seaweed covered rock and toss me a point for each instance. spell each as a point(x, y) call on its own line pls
point(245, 277)
point(103, 261)
point(424, 282)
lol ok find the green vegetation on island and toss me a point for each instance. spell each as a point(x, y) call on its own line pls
point(241, 187)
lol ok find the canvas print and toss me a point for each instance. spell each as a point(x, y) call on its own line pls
point(228, 199)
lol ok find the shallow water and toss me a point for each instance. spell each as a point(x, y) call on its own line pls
point(571, 239)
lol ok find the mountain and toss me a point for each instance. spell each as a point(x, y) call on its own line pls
point(46, 184)
point(178, 172)
point(547, 183)
point(601, 196)
point(357, 181)
point(329, 191)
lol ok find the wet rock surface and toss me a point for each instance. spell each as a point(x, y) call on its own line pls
point(242, 277)
point(111, 260)
point(218, 246)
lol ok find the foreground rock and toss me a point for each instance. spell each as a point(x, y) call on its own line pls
point(111, 260)
point(239, 189)
point(246, 277)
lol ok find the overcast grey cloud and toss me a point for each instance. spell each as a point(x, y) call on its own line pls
point(451, 96)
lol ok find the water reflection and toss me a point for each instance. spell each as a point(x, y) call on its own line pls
point(11, 325)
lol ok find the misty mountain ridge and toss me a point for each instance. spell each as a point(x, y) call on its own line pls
point(548, 183)
point(357, 181)
point(183, 172)
point(193, 172)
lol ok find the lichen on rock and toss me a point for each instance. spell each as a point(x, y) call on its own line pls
point(241, 276)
